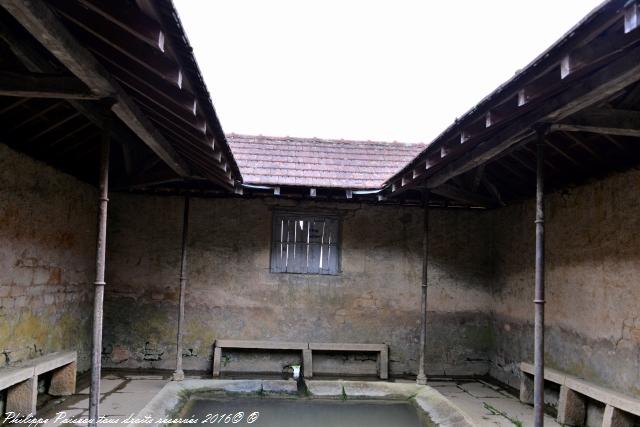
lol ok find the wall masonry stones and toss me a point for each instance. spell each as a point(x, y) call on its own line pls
point(593, 290)
point(481, 281)
point(47, 246)
point(232, 294)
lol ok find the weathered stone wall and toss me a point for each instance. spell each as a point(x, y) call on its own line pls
point(47, 246)
point(232, 294)
point(592, 285)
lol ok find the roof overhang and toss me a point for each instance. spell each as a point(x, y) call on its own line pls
point(586, 82)
point(122, 65)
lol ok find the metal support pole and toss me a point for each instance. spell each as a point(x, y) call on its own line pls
point(178, 375)
point(422, 378)
point(538, 382)
point(98, 300)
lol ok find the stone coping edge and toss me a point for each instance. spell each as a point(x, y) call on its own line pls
point(439, 409)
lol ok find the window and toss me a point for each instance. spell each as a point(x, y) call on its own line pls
point(305, 243)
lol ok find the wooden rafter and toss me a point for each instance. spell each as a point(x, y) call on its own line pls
point(602, 61)
point(40, 85)
point(607, 121)
point(42, 23)
point(136, 23)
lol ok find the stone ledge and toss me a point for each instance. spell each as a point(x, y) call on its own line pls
point(438, 408)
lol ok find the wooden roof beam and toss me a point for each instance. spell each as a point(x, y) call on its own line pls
point(601, 47)
point(42, 23)
point(607, 121)
point(598, 86)
point(40, 85)
point(95, 27)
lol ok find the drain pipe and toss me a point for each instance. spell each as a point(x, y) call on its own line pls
point(98, 300)
point(178, 375)
point(538, 382)
point(422, 378)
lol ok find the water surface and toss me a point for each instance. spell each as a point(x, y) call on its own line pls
point(275, 412)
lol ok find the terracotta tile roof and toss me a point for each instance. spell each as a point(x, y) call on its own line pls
point(312, 162)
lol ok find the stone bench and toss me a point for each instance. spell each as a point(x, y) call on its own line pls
point(382, 351)
point(307, 352)
point(573, 393)
point(21, 381)
point(252, 345)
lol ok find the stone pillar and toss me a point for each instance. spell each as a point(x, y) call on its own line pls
point(307, 363)
point(217, 361)
point(526, 389)
point(22, 397)
point(572, 408)
point(63, 381)
point(614, 417)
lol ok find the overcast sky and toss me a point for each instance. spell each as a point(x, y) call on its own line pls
point(364, 69)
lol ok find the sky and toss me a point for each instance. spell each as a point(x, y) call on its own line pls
point(386, 70)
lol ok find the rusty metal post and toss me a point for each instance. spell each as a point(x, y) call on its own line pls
point(178, 375)
point(98, 300)
point(538, 382)
point(422, 378)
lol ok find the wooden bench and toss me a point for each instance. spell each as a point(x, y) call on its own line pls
point(307, 352)
point(573, 393)
point(382, 351)
point(21, 380)
point(252, 345)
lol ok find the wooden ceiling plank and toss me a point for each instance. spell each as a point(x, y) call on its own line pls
point(41, 22)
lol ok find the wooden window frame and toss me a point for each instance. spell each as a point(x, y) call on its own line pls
point(275, 263)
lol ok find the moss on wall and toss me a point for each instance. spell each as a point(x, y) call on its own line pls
point(47, 240)
point(232, 294)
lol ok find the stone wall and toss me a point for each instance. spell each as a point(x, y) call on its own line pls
point(592, 284)
point(47, 250)
point(232, 294)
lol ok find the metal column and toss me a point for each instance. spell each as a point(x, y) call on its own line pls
point(96, 351)
point(538, 384)
point(178, 375)
point(422, 378)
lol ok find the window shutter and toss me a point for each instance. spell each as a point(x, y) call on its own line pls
point(305, 244)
